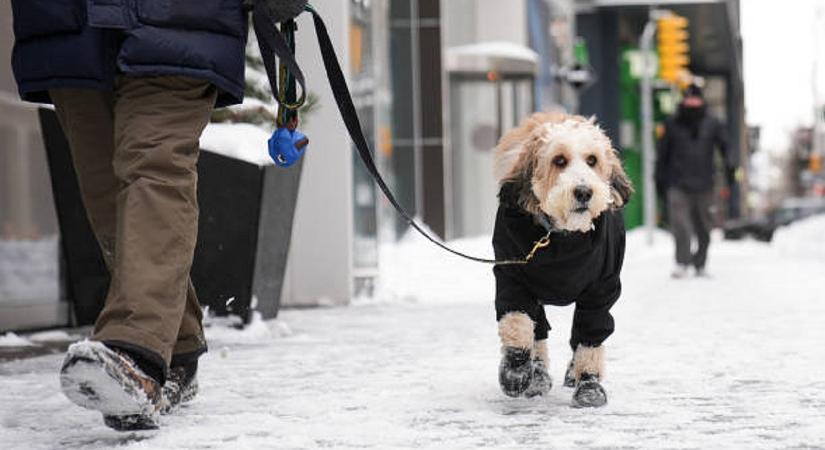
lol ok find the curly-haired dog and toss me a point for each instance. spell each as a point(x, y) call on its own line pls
point(558, 174)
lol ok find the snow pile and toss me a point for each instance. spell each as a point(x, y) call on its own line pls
point(494, 50)
point(222, 331)
point(802, 239)
point(241, 141)
point(12, 340)
point(416, 270)
point(53, 336)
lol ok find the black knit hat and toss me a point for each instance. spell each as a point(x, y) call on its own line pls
point(693, 91)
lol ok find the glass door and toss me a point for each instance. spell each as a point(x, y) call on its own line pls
point(481, 111)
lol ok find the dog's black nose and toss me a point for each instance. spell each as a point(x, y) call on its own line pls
point(583, 193)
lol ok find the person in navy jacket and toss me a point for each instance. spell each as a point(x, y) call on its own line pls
point(134, 83)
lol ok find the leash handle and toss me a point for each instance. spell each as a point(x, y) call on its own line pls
point(271, 42)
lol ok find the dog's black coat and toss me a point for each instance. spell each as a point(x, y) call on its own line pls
point(580, 268)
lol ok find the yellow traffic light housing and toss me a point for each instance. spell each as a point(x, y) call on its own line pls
point(673, 49)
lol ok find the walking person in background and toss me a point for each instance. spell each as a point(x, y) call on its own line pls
point(685, 172)
point(134, 85)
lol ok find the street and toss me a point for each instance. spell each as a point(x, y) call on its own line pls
point(731, 361)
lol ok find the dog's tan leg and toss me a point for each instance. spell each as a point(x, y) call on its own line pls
point(588, 370)
point(588, 360)
point(516, 330)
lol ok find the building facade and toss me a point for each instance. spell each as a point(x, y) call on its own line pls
point(611, 30)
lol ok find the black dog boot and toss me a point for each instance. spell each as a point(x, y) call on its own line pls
point(515, 373)
point(588, 366)
point(541, 383)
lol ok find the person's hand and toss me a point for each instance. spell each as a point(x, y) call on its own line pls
point(281, 10)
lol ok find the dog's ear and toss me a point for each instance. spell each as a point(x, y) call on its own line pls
point(620, 186)
point(517, 188)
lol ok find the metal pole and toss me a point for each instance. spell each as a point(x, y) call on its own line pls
point(648, 152)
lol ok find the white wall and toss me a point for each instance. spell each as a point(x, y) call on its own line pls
point(496, 22)
point(473, 21)
point(319, 268)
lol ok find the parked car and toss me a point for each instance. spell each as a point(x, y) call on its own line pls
point(762, 227)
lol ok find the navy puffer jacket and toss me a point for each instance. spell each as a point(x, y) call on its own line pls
point(84, 43)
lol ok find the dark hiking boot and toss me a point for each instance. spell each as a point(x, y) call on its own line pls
point(108, 380)
point(589, 392)
point(515, 373)
point(181, 387)
point(569, 376)
point(541, 383)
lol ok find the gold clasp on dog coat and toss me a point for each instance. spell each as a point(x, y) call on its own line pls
point(538, 245)
point(541, 243)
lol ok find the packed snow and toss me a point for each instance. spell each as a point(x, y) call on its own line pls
point(731, 361)
point(804, 239)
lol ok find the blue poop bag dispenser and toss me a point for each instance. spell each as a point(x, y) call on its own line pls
point(287, 144)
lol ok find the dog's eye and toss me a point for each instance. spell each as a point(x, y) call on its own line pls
point(591, 160)
point(559, 161)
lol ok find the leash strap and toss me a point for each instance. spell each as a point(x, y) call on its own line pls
point(271, 43)
point(343, 98)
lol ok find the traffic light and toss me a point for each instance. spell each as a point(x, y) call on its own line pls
point(673, 47)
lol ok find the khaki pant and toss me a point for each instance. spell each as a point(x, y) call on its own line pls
point(135, 151)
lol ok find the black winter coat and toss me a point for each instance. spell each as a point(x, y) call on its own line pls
point(686, 161)
point(575, 267)
point(84, 43)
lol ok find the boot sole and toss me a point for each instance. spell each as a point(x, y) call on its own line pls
point(90, 379)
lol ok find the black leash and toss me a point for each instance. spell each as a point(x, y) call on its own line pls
point(271, 41)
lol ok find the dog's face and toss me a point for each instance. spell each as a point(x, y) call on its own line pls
point(565, 167)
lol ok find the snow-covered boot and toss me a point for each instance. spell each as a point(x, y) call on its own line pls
point(181, 386)
point(108, 380)
point(588, 368)
point(541, 382)
point(515, 372)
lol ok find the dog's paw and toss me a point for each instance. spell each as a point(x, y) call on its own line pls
point(541, 382)
point(589, 392)
point(515, 373)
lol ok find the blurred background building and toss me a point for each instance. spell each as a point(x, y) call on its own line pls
point(612, 29)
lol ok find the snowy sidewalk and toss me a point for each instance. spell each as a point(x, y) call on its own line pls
point(734, 361)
